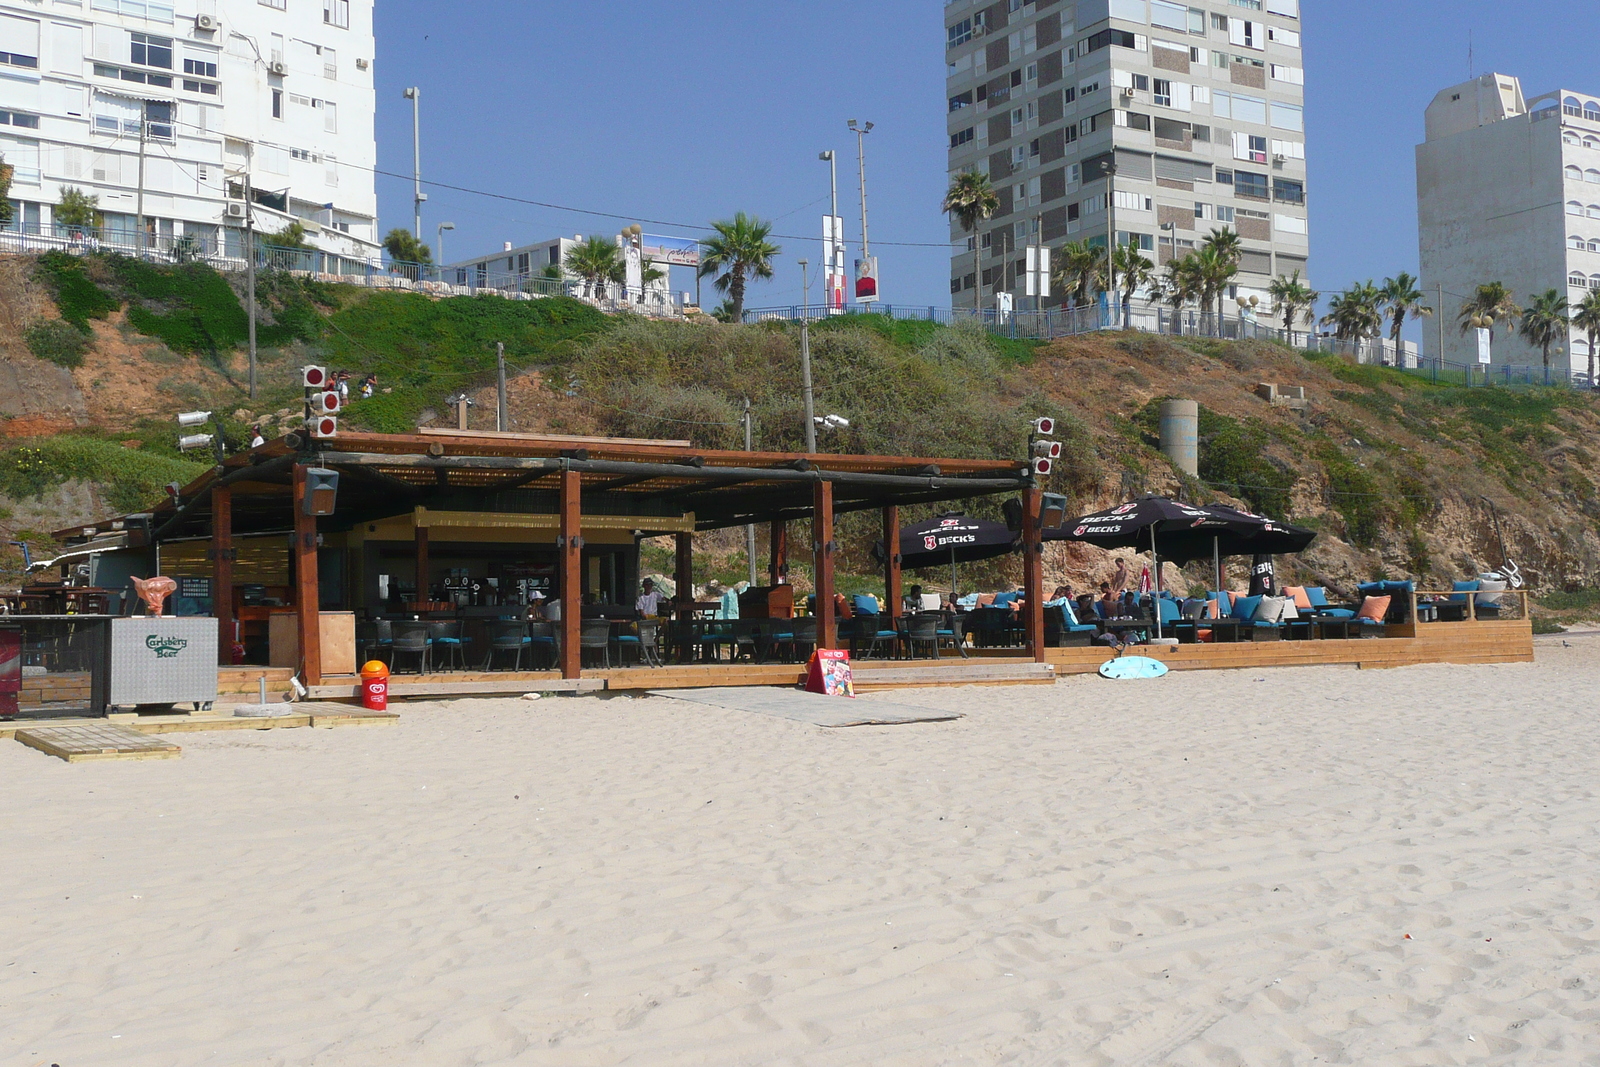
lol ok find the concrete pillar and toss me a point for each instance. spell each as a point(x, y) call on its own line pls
point(1180, 434)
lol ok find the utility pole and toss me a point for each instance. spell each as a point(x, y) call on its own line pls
point(144, 124)
point(749, 529)
point(250, 267)
point(805, 372)
point(501, 422)
point(1438, 313)
point(1110, 169)
point(833, 254)
point(861, 165)
point(414, 95)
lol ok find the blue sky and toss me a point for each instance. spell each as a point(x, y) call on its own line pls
point(690, 111)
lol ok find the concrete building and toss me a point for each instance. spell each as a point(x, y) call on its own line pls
point(1508, 190)
point(1201, 109)
point(115, 96)
point(515, 267)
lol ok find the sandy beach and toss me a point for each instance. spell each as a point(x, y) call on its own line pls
point(1301, 866)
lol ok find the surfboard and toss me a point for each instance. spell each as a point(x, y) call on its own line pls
point(1132, 667)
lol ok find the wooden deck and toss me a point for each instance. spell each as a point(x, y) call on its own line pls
point(97, 740)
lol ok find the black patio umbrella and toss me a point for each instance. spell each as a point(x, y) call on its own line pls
point(1182, 532)
point(954, 538)
point(1260, 537)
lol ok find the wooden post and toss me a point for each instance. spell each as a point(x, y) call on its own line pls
point(778, 563)
point(683, 578)
point(420, 544)
point(1033, 573)
point(570, 550)
point(822, 553)
point(307, 610)
point(222, 571)
point(891, 564)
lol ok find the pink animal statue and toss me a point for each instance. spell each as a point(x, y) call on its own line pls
point(154, 592)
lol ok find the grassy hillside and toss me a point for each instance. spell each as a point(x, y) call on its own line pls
point(1397, 472)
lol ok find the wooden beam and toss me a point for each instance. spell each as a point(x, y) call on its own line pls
point(683, 578)
point(306, 606)
point(222, 570)
point(419, 543)
point(778, 561)
point(891, 564)
point(570, 550)
point(1033, 573)
point(822, 549)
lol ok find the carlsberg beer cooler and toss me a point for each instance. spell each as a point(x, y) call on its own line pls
point(165, 660)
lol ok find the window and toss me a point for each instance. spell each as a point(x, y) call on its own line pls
point(192, 86)
point(277, 103)
point(1287, 38)
point(1288, 116)
point(1589, 142)
point(1133, 202)
point(336, 13)
point(1573, 174)
point(330, 117)
point(1033, 147)
point(1120, 38)
point(200, 67)
point(1249, 148)
point(1172, 16)
point(1594, 281)
point(1072, 212)
point(1200, 133)
point(1069, 94)
point(1591, 111)
point(20, 119)
point(1577, 242)
point(960, 33)
point(1253, 5)
point(1574, 208)
point(1577, 280)
point(1162, 93)
point(1141, 82)
point(1224, 177)
point(1016, 117)
point(281, 5)
point(1219, 22)
point(1288, 192)
point(1292, 75)
point(151, 51)
point(1247, 184)
point(1591, 175)
point(1572, 107)
point(1224, 213)
point(1593, 211)
point(1567, 135)
point(19, 42)
point(1197, 21)
point(1019, 155)
point(1202, 211)
point(961, 100)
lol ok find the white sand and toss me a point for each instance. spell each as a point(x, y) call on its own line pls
point(1210, 869)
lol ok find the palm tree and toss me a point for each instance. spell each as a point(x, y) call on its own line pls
point(1178, 287)
point(1134, 272)
point(597, 261)
point(1082, 270)
point(1544, 323)
point(971, 199)
point(1401, 297)
point(740, 250)
point(1295, 300)
point(1356, 314)
point(1213, 267)
point(1491, 301)
point(1586, 317)
point(1225, 248)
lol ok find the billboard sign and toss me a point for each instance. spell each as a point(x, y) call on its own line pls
point(672, 251)
point(867, 280)
point(833, 260)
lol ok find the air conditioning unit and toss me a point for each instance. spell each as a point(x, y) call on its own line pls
point(278, 67)
point(207, 23)
point(1280, 159)
point(236, 210)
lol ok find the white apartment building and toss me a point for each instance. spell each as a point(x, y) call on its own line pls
point(513, 265)
point(278, 92)
point(1199, 108)
point(1508, 190)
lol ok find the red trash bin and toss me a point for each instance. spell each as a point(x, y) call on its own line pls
point(375, 685)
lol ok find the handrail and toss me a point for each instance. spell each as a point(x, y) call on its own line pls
point(1471, 596)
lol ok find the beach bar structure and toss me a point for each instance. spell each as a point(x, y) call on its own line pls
point(416, 525)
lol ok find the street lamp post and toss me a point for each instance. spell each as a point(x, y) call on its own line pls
point(1109, 168)
point(414, 95)
point(861, 132)
point(805, 368)
point(443, 226)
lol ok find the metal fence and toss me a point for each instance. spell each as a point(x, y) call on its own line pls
point(372, 273)
point(1055, 323)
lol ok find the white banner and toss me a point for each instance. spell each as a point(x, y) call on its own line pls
point(1038, 280)
point(1483, 346)
point(833, 260)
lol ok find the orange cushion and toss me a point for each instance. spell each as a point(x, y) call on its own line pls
point(1374, 607)
point(1299, 594)
point(1213, 609)
point(985, 600)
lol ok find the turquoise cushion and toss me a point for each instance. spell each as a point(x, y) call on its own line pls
point(1245, 607)
point(1003, 599)
point(1337, 613)
point(1463, 587)
point(864, 605)
point(1317, 595)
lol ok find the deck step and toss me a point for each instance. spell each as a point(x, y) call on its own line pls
point(97, 741)
point(962, 674)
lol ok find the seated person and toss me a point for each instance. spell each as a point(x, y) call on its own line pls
point(1110, 604)
point(650, 599)
point(1086, 607)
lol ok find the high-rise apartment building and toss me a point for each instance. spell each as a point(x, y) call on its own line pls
point(136, 101)
point(1199, 108)
point(1508, 190)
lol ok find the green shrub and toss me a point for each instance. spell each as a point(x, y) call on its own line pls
point(1572, 600)
point(1547, 626)
point(1232, 456)
point(1356, 495)
point(57, 341)
point(78, 298)
point(130, 480)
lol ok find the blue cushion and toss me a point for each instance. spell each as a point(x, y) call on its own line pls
point(1317, 595)
point(1390, 588)
point(1463, 587)
point(864, 605)
point(1004, 599)
point(888, 633)
point(1170, 612)
point(1337, 613)
point(542, 640)
point(1245, 607)
point(1082, 628)
point(447, 640)
point(1370, 622)
point(628, 639)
